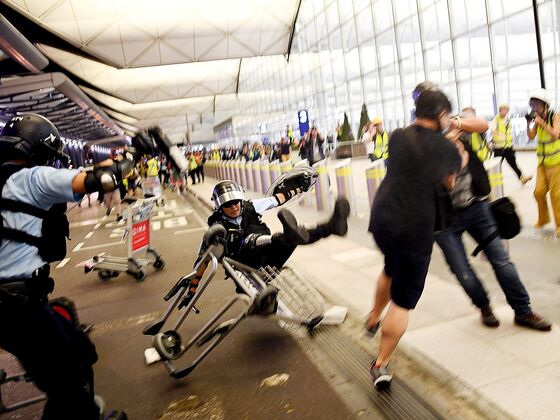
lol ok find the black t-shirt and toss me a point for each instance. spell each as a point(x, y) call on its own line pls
point(404, 209)
point(285, 148)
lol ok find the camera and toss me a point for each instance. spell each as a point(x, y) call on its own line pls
point(530, 116)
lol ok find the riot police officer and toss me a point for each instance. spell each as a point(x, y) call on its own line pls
point(56, 354)
point(249, 240)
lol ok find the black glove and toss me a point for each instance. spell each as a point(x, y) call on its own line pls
point(107, 178)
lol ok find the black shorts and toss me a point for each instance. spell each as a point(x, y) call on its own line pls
point(407, 270)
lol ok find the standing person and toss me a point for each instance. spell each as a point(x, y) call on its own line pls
point(503, 142)
point(546, 128)
point(285, 150)
point(381, 139)
point(472, 214)
point(56, 354)
point(422, 165)
point(368, 133)
point(152, 186)
point(192, 167)
point(315, 146)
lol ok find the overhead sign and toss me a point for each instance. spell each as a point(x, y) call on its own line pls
point(303, 119)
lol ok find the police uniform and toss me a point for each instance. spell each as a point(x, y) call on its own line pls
point(54, 352)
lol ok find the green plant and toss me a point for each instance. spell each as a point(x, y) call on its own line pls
point(364, 118)
point(346, 130)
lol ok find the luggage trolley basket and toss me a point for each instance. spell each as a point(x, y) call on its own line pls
point(139, 234)
point(265, 291)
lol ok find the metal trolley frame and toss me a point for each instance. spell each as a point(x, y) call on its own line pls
point(138, 230)
point(265, 291)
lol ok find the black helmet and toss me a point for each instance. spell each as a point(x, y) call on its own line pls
point(226, 191)
point(33, 138)
point(422, 87)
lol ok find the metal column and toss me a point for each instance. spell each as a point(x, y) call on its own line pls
point(322, 189)
point(345, 183)
point(256, 175)
point(249, 175)
point(265, 176)
point(274, 169)
point(374, 176)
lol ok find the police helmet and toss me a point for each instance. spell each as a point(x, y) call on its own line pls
point(421, 88)
point(33, 138)
point(226, 191)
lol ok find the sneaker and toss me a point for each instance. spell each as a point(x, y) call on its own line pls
point(293, 234)
point(533, 321)
point(488, 317)
point(380, 376)
point(370, 331)
point(524, 179)
point(339, 222)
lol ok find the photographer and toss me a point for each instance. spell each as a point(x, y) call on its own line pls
point(472, 214)
point(56, 354)
point(546, 127)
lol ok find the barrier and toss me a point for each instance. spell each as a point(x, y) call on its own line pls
point(274, 169)
point(256, 175)
point(374, 176)
point(265, 176)
point(249, 175)
point(236, 172)
point(286, 166)
point(345, 183)
point(322, 192)
point(242, 173)
point(308, 197)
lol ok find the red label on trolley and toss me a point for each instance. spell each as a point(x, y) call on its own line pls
point(140, 235)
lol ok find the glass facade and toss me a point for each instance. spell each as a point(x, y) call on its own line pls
point(349, 52)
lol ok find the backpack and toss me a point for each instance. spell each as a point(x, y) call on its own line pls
point(55, 228)
point(507, 221)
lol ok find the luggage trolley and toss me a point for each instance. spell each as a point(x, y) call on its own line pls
point(139, 233)
point(266, 291)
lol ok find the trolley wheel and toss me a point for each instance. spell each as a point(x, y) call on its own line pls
point(105, 274)
point(159, 264)
point(140, 275)
point(168, 344)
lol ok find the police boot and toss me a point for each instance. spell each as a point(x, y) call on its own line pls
point(339, 219)
point(293, 234)
point(336, 225)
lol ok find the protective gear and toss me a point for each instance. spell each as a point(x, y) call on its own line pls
point(381, 141)
point(107, 178)
point(541, 95)
point(293, 234)
point(54, 230)
point(421, 88)
point(376, 121)
point(226, 191)
point(502, 134)
point(289, 185)
point(480, 147)
point(548, 149)
point(33, 138)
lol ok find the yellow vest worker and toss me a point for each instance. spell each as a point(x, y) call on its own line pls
point(479, 147)
point(502, 134)
point(152, 167)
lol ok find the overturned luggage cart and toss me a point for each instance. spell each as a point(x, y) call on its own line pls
point(139, 234)
point(265, 291)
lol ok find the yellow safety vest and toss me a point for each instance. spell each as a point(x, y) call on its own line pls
point(382, 145)
point(192, 163)
point(548, 149)
point(504, 128)
point(216, 155)
point(152, 167)
point(479, 147)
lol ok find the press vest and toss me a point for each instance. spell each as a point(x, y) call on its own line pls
point(479, 147)
point(382, 145)
point(152, 168)
point(548, 149)
point(504, 128)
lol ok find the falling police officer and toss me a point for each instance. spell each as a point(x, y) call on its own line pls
point(56, 354)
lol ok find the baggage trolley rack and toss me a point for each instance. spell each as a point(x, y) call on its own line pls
point(264, 292)
point(138, 230)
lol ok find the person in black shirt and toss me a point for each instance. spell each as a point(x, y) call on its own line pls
point(407, 209)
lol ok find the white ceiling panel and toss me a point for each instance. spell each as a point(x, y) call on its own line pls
point(198, 29)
